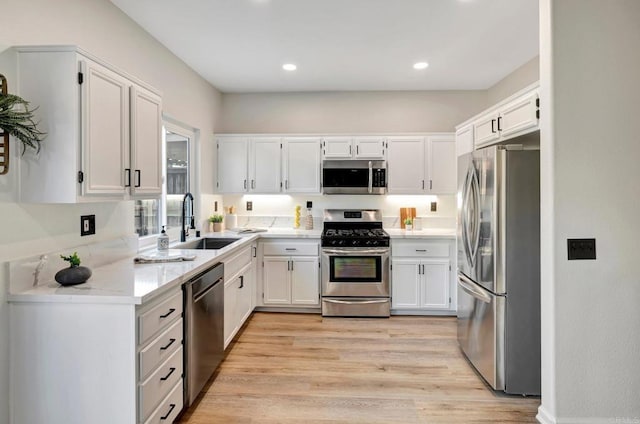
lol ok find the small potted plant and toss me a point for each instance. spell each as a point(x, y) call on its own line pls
point(18, 120)
point(75, 274)
point(216, 222)
point(408, 224)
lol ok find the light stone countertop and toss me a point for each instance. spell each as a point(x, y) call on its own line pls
point(123, 282)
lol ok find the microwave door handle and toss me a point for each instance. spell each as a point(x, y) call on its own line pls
point(370, 177)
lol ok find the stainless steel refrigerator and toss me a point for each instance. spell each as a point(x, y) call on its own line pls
point(499, 266)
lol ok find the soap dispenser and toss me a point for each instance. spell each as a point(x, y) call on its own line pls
point(163, 240)
point(308, 223)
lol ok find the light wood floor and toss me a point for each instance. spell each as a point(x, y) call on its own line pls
point(301, 368)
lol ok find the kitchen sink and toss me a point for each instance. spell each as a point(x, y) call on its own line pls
point(212, 243)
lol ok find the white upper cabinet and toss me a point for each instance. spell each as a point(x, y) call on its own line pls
point(268, 165)
point(337, 147)
point(422, 165)
point(146, 152)
point(406, 165)
point(442, 163)
point(105, 125)
point(369, 147)
point(515, 116)
point(464, 140)
point(232, 164)
point(265, 174)
point(348, 147)
point(301, 164)
point(103, 129)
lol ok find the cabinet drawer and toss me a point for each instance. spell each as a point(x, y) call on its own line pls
point(420, 249)
point(234, 264)
point(159, 317)
point(290, 249)
point(159, 384)
point(169, 408)
point(160, 349)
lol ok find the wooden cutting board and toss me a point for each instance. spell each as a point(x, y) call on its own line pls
point(406, 213)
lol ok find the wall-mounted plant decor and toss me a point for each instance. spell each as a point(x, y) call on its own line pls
point(16, 119)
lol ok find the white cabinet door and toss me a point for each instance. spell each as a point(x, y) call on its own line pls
point(518, 116)
point(230, 309)
point(442, 165)
point(244, 301)
point(276, 284)
point(264, 165)
point(305, 282)
point(146, 143)
point(337, 148)
point(486, 129)
point(435, 284)
point(405, 165)
point(105, 126)
point(369, 147)
point(464, 140)
point(405, 284)
point(302, 165)
point(232, 165)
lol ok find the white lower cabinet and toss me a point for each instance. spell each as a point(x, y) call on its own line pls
point(290, 274)
point(239, 289)
point(103, 363)
point(421, 277)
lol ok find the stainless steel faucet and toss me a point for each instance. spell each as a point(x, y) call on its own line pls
point(184, 231)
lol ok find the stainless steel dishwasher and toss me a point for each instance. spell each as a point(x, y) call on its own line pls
point(204, 329)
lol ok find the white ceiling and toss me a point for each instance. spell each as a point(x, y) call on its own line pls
point(240, 45)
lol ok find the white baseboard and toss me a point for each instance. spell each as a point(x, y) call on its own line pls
point(544, 417)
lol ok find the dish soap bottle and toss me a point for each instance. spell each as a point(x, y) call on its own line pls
point(308, 222)
point(163, 241)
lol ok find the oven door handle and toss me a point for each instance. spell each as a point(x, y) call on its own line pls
point(357, 252)
point(356, 302)
point(370, 188)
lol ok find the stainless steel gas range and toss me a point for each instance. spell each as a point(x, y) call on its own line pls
point(355, 264)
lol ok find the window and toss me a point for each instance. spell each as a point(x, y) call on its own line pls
point(151, 214)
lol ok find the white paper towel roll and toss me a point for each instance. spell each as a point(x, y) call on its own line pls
point(231, 221)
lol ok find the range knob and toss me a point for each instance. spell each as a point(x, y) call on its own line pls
point(354, 242)
point(340, 242)
point(333, 242)
point(374, 242)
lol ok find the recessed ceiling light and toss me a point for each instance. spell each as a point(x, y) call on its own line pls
point(420, 65)
point(289, 67)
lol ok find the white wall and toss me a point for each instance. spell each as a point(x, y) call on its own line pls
point(525, 75)
point(100, 28)
point(590, 150)
point(335, 112)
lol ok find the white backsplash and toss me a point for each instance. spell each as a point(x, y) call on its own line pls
point(277, 210)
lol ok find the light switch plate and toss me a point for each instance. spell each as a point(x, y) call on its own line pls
point(581, 249)
point(434, 206)
point(87, 225)
point(249, 205)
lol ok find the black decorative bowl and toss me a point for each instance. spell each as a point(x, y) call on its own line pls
point(73, 275)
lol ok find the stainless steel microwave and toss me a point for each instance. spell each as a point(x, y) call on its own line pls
point(354, 177)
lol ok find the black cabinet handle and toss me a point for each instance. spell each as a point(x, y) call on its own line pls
point(173, 405)
point(357, 150)
point(172, 310)
point(128, 177)
point(171, 341)
point(241, 281)
point(171, 370)
point(245, 184)
point(138, 174)
point(493, 122)
point(499, 121)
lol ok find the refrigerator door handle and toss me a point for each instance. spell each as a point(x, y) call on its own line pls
point(469, 286)
point(475, 242)
point(466, 216)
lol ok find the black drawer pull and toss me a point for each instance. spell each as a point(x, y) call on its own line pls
point(168, 375)
point(421, 250)
point(173, 406)
point(172, 310)
point(171, 341)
